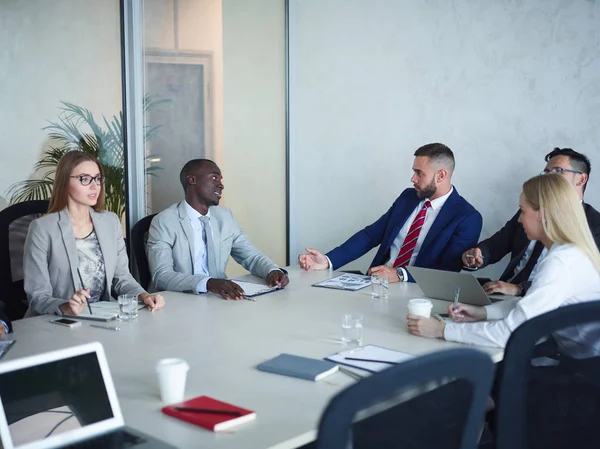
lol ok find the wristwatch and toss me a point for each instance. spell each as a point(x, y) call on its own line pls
point(400, 273)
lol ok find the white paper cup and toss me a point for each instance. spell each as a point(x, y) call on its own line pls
point(420, 307)
point(171, 379)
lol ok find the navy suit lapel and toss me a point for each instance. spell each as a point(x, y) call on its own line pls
point(446, 214)
point(398, 219)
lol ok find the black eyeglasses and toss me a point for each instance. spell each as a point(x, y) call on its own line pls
point(86, 180)
point(559, 170)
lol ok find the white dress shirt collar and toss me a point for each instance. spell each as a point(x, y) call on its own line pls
point(439, 202)
point(193, 213)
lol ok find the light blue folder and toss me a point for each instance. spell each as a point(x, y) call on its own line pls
point(301, 367)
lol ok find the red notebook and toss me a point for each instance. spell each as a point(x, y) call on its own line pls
point(212, 421)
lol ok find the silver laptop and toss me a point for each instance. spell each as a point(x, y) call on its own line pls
point(64, 398)
point(439, 284)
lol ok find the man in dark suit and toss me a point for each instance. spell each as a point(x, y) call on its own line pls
point(525, 254)
point(428, 226)
point(5, 326)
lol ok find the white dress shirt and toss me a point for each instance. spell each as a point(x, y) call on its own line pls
point(565, 276)
point(200, 253)
point(5, 325)
point(432, 213)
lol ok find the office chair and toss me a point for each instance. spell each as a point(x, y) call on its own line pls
point(139, 236)
point(14, 225)
point(462, 408)
point(520, 424)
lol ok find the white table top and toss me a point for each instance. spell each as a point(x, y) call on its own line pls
point(223, 341)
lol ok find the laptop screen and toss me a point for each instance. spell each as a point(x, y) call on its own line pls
point(53, 398)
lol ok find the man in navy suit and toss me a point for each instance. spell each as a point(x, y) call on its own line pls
point(429, 226)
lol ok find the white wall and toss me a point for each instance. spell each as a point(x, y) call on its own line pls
point(254, 121)
point(52, 51)
point(501, 83)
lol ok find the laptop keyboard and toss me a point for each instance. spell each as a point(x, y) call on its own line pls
point(119, 439)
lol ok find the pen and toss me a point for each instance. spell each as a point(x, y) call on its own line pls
point(456, 295)
point(83, 287)
point(208, 410)
point(372, 360)
point(110, 328)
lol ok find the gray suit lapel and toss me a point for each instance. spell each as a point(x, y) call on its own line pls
point(107, 245)
point(68, 238)
point(184, 221)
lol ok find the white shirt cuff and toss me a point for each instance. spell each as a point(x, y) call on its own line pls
point(201, 287)
point(330, 267)
point(5, 325)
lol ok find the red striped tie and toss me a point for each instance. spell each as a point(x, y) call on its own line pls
point(410, 241)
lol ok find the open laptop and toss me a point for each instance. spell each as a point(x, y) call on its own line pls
point(439, 284)
point(64, 398)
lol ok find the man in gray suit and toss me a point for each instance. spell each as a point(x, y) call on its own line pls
point(190, 242)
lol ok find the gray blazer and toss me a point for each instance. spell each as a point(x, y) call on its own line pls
point(50, 260)
point(170, 248)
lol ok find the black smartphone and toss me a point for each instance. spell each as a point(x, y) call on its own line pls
point(66, 322)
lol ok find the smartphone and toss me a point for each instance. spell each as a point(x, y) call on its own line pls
point(443, 317)
point(66, 322)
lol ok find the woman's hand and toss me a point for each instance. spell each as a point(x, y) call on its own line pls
point(467, 314)
point(77, 303)
point(425, 327)
point(154, 302)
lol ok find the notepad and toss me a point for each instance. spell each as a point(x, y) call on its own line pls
point(211, 421)
point(370, 352)
point(251, 289)
point(102, 311)
point(297, 366)
point(346, 281)
point(5, 346)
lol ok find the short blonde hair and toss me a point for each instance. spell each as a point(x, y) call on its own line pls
point(563, 218)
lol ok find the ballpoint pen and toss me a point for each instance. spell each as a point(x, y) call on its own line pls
point(102, 326)
point(456, 295)
point(83, 287)
point(389, 362)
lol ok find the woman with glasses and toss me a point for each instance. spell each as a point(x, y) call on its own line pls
point(76, 254)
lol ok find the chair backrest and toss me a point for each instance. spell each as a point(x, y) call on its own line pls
point(14, 225)
point(139, 235)
point(513, 378)
point(469, 365)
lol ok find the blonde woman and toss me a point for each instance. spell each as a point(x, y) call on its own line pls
point(76, 254)
point(551, 213)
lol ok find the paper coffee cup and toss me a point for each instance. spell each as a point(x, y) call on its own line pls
point(420, 307)
point(172, 374)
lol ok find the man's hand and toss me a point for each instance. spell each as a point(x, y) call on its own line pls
point(472, 258)
point(501, 287)
point(154, 302)
point(425, 327)
point(389, 272)
point(314, 260)
point(2, 331)
point(226, 288)
point(277, 278)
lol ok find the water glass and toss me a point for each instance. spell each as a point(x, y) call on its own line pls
point(379, 284)
point(128, 307)
point(352, 329)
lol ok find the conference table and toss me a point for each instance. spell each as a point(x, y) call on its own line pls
point(223, 341)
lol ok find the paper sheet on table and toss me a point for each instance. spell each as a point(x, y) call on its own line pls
point(101, 311)
point(346, 281)
point(251, 289)
point(370, 352)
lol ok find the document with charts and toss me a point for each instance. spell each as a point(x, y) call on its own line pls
point(346, 281)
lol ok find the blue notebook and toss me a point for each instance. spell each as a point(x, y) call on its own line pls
point(296, 366)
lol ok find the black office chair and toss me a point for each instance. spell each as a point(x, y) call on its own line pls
point(456, 404)
point(14, 225)
point(139, 236)
point(521, 424)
